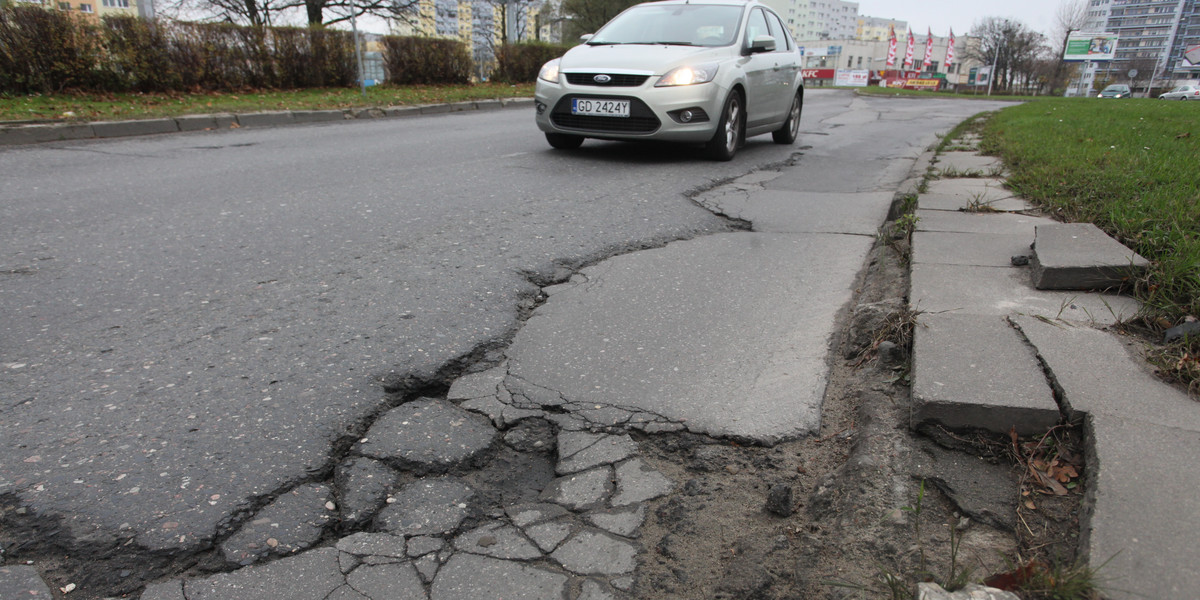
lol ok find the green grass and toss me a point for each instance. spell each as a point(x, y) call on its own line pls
point(981, 94)
point(90, 107)
point(1129, 166)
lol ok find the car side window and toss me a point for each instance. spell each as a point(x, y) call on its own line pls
point(755, 27)
point(782, 43)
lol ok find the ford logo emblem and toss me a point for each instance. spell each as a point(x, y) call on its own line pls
point(602, 79)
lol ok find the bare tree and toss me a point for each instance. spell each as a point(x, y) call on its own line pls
point(316, 12)
point(1012, 47)
point(1070, 17)
point(586, 16)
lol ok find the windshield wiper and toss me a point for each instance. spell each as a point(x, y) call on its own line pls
point(671, 43)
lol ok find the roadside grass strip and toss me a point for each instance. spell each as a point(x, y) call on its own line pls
point(91, 107)
point(1130, 167)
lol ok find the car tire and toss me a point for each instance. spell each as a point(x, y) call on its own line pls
point(791, 127)
point(730, 130)
point(564, 141)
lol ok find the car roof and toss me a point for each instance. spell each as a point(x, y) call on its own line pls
point(707, 2)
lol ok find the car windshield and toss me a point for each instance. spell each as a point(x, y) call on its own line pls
point(1117, 88)
point(672, 24)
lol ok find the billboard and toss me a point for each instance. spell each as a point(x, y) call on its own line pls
point(1191, 57)
point(1090, 46)
point(856, 78)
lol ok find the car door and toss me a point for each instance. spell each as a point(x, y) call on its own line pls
point(759, 68)
point(786, 67)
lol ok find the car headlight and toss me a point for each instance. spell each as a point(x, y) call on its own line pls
point(688, 75)
point(549, 71)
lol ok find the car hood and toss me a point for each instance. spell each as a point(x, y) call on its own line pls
point(636, 58)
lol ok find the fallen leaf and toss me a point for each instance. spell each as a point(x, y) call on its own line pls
point(1013, 580)
point(1184, 135)
point(1029, 505)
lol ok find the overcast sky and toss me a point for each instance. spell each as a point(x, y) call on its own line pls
point(941, 15)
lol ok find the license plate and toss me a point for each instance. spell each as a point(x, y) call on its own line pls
point(600, 108)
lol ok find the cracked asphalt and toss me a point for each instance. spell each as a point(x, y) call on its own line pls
point(198, 325)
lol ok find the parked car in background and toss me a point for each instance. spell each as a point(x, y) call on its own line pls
point(711, 72)
point(1116, 90)
point(1183, 92)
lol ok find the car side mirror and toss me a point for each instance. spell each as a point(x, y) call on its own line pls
point(762, 43)
point(585, 37)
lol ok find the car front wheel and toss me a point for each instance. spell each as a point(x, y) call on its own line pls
point(564, 141)
point(791, 127)
point(725, 139)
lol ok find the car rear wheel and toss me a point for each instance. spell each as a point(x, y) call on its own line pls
point(725, 139)
point(791, 127)
point(564, 141)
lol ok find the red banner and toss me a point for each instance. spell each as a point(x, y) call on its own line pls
point(928, 49)
point(950, 51)
point(891, 57)
point(908, 52)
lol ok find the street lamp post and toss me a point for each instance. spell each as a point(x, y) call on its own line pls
point(362, 82)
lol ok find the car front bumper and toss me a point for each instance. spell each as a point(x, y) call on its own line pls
point(655, 113)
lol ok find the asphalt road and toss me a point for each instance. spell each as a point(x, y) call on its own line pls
point(194, 322)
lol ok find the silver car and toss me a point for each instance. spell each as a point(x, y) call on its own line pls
point(712, 72)
point(1183, 92)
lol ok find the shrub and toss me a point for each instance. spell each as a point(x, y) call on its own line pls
point(45, 51)
point(410, 60)
point(138, 56)
point(520, 63)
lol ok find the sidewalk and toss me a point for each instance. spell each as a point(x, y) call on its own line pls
point(992, 351)
point(55, 132)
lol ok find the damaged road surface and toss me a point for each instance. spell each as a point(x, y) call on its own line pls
point(253, 350)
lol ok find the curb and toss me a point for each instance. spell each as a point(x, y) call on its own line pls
point(16, 135)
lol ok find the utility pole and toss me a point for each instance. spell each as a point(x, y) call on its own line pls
point(362, 82)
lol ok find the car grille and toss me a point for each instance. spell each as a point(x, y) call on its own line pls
point(640, 120)
point(616, 81)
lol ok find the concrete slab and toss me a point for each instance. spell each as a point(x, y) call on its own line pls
point(981, 195)
point(976, 371)
point(1142, 517)
point(978, 249)
point(772, 211)
point(493, 104)
point(109, 129)
point(318, 116)
point(312, 575)
point(691, 343)
point(1110, 377)
point(963, 222)
point(196, 122)
point(967, 164)
point(402, 111)
point(1003, 291)
point(266, 119)
point(36, 134)
point(517, 102)
point(22, 581)
point(474, 577)
point(1079, 256)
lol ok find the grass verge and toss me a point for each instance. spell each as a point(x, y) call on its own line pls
point(1128, 166)
point(115, 107)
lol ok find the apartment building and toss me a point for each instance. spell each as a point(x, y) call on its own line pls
point(818, 19)
point(874, 28)
point(1156, 38)
point(99, 8)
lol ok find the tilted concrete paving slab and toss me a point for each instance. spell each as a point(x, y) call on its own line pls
point(976, 371)
point(966, 193)
point(1079, 256)
point(727, 334)
point(964, 222)
point(978, 249)
point(1004, 291)
point(1142, 514)
point(1103, 373)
